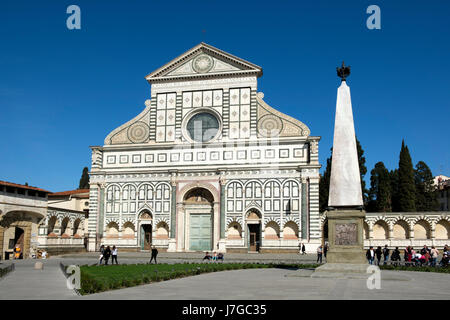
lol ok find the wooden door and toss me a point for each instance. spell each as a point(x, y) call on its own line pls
point(252, 241)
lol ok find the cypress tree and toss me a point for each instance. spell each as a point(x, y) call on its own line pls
point(393, 177)
point(380, 189)
point(406, 186)
point(362, 171)
point(84, 181)
point(324, 186)
point(426, 197)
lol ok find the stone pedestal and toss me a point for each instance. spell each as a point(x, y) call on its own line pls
point(172, 245)
point(222, 246)
point(346, 236)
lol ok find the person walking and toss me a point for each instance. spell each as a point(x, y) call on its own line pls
point(370, 255)
point(114, 255)
point(303, 249)
point(102, 251)
point(386, 254)
point(154, 254)
point(319, 254)
point(107, 254)
point(378, 253)
point(434, 256)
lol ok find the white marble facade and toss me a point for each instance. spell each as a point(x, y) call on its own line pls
point(207, 165)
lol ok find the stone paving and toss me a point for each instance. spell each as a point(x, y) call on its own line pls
point(50, 283)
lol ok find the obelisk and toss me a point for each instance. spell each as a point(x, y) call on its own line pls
point(345, 212)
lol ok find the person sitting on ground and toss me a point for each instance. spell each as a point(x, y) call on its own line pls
point(214, 256)
point(220, 256)
point(207, 256)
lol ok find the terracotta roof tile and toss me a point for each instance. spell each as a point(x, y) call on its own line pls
point(16, 185)
point(69, 192)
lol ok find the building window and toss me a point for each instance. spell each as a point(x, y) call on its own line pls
point(203, 127)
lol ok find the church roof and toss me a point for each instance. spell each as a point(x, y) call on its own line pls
point(220, 63)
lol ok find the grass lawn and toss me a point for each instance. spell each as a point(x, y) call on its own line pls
point(416, 268)
point(103, 278)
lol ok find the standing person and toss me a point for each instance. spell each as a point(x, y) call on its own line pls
point(17, 252)
point(154, 254)
point(434, 256)
point(386, 254)
point(114, 255)
point(319, 254)
point(107, 254)
point(102, 251)
point(303, 249)
point(370, 255)
point(325, 250)
point(378, 252)
point(300, 247)
point(395, 255)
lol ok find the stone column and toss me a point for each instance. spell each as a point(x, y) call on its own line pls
point(222, 222)
point(180, 243)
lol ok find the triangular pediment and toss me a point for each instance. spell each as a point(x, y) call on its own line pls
point(204, 60)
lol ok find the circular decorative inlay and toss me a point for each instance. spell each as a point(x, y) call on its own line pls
point(270, 125)
point(202, 63)
point(138, 132)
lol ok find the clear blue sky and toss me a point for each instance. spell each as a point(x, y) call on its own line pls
point(63, 90)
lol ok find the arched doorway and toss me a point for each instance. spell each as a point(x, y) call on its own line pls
point(145, 236)
point(198, 205)
point(253, 221)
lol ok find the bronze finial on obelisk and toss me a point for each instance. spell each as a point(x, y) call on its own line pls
point(343, 72)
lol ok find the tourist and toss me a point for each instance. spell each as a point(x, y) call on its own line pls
point(17, 252)
point(424, 250)
point(434, 256)
point(325, 250)
point(220, 256)
point(102, 251)
point(300, 247)
point(214, 256)
point(378, 252)
point(303, 249)
point(207, 256)
point(386, 254)
point(114, 255)
point(154, 254)
point(370, 255)
point(107, 254)
point(44, 254)
point(319, 254)
point(395, 255)
point(445, 257)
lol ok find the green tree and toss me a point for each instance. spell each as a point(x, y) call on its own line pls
point(406, 186)
point(324, 186)
point(380, 189)
point(362, 171)
point(84, 181)
point(393, 177)
point(426, 197)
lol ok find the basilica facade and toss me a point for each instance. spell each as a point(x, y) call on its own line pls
point(207, 165)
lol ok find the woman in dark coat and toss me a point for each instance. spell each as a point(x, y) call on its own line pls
point(107, 254)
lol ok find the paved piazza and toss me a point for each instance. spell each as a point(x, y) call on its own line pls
point(50, 283)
